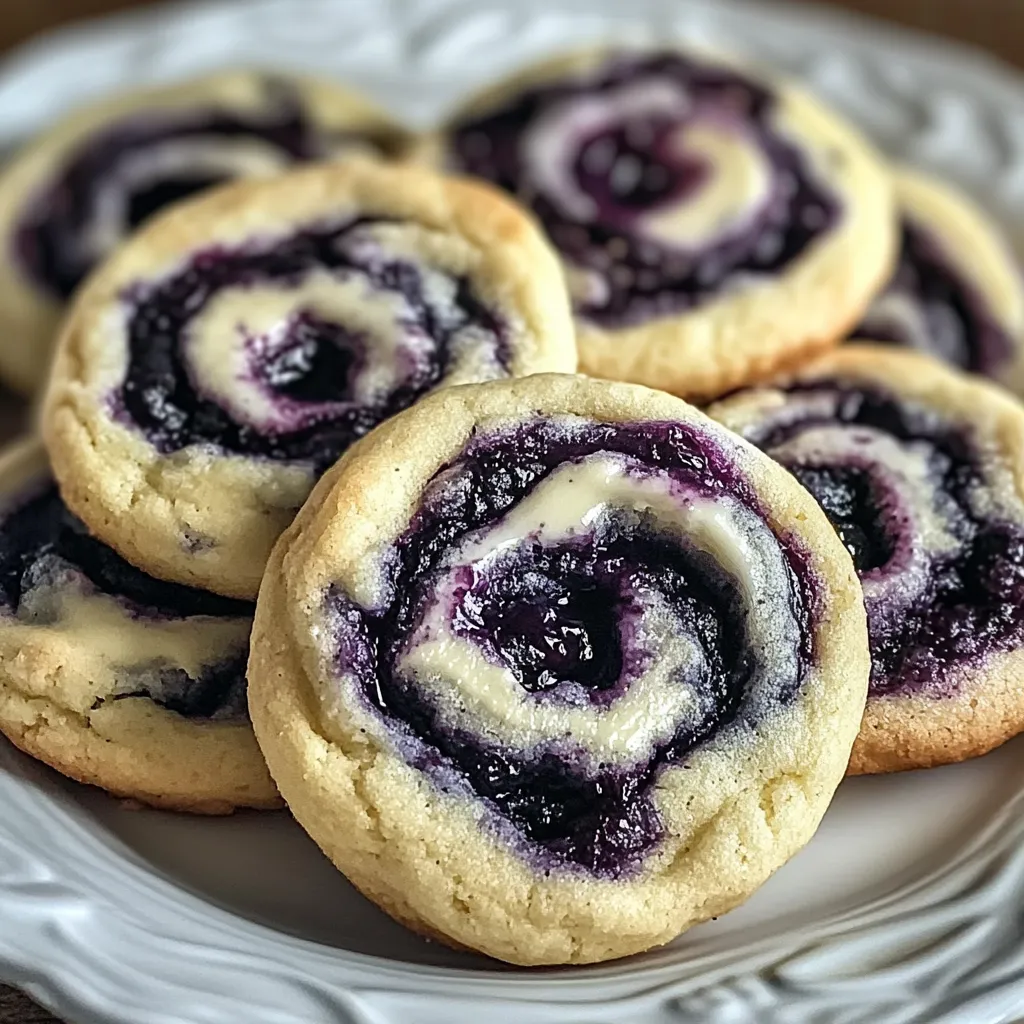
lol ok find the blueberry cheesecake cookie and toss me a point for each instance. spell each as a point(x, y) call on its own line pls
point(555, 668)
point(230, 352)
point(921, 470)
point(110, 676)
point(714, 223)
point(956, 293)
point(73, 195)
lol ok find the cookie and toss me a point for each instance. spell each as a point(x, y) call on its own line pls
point(956, 292)
point(73, 195)
point(110, 676)
point(921, 470)
point(555, 668)
point(230, 352)
point(715, 223)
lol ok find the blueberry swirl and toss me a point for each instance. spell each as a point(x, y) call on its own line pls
point(236, 347)
point(182, 648)
point(292, 348)
point(130, 167)
point(930, 305)
point(576, 609)
point(663, 181)
point(925, 503)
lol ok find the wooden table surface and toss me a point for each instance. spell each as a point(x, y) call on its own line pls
point(996, 25)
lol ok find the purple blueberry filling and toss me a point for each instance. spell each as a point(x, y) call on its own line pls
point(552, 629)
point(318, 363)
point(151, 199)
point(41, 543)
point(930, 305)
point(962, 600)
point(853, 507)
point(317, 366)
point(553, 612)
point(55, 240)
point(632, 166)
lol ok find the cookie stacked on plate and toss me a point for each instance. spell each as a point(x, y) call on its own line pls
point(70, 198)
point(209, 370)
point(551, 665)
point(721, 232)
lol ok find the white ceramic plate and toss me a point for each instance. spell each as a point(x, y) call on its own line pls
point(908, 906)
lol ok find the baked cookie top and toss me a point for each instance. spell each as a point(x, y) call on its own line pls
point(75, 193)
point(557, 643)
point(714, 221)
point(921, 470)
point(956, 292)
point(235, 348)
point(126, 680)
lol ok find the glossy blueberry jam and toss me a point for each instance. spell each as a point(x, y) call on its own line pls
point(552, 621)
point(40, 541)
point(633, 166)
point(550, 612)
point(53, 241)
point(318, 364)
point(971, 602)
point(852, 507)
point(930, 305)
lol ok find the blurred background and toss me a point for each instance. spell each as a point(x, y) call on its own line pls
point(997, 25)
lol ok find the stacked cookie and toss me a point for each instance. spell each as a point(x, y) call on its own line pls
point(199, 389)
point(113, 676)
point(551, 665)
point(720, 230)
point(920, 471)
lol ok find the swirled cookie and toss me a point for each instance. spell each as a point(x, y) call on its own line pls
point(714, 223)
point(921, 470)
point(110, 676)
point(235, 348)
point(72, 196)
point(556, 668)
point(956, 293)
